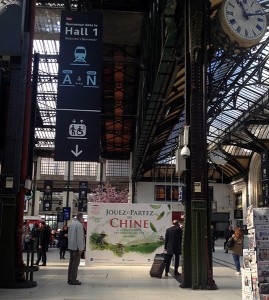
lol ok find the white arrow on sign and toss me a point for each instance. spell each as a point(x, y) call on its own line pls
point(76, 153)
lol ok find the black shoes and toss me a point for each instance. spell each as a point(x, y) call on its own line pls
point(176, 273)
point(75, 282)
point(166, 274)
point(43, 264)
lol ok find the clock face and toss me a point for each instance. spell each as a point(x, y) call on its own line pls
point(244, 21)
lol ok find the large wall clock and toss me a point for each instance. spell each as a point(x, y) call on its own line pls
point(244, 21)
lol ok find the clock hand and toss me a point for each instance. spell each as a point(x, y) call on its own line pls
point(255, 14)
point(244, 11)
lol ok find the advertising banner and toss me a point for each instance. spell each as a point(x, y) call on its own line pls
point(126, 233)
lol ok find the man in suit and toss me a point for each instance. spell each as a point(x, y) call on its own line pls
point(172, 245)
point(76, 245)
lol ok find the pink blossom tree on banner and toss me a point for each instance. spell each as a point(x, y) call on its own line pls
point(105, 193)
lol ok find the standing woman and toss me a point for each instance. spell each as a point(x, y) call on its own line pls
point(63, 241)
point(237, 249)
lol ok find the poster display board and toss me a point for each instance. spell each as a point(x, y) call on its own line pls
point(255, 272)
point(126, 233)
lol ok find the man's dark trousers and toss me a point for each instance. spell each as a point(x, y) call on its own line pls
point(73, 265)
point(168, 258)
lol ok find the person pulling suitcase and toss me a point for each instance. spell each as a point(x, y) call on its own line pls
point(172, 246)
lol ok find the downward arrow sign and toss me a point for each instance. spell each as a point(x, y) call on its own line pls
point(77, 153)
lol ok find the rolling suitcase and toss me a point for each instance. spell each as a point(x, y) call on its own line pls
point(157, 266)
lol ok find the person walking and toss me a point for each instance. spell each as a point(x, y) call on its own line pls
point(172, 245)
point(63, 241)
point(43, 243)
point(228, 232)
point(76, 245)
point(237, 249)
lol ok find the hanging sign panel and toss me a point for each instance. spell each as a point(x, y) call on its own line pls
point(79, 136)
point(78, 111)
point(47, 197)
point(80, 61)
point(82, 196)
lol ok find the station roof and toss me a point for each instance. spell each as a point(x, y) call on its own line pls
point(238, 102)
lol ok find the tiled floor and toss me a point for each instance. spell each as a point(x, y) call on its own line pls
point(101, 282)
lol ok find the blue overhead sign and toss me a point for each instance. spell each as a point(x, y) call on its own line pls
point(78, 124)
point(66, 213)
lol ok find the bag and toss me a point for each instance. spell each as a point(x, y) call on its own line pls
point(230, 243)
point(158, 266)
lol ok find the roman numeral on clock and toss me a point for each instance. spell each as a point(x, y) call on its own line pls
point(232, 21)
point(258, 27)
point(238, 29)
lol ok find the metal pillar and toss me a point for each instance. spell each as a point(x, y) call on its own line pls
point(68, 190)
point(197, 251)
point(15, 161)
point(33, 115)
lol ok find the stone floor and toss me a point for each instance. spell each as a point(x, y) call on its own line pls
point(100, 282)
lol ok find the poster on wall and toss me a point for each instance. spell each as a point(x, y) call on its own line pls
point(126, 233)
point(166, 193)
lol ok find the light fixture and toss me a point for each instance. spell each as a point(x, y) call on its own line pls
point(185, 151)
